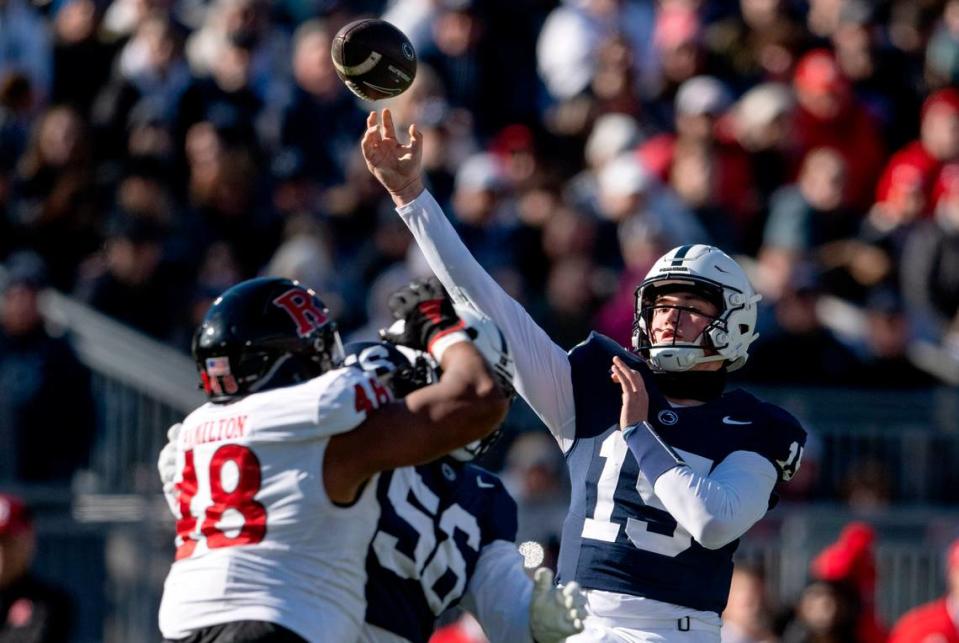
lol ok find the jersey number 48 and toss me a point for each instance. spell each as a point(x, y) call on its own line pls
point(233, 480)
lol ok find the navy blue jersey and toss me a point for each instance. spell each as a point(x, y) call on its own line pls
point(435, 521)
point(617, 536)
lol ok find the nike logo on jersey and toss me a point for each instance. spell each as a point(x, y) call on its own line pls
point(483, 484)
point(729, 420)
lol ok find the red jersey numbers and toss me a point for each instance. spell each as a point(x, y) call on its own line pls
point(233, 517)
point(371, 396)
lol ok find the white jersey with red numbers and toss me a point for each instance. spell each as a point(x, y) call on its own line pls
point(258, 538)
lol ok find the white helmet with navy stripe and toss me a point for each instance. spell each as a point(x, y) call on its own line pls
point(714, 275)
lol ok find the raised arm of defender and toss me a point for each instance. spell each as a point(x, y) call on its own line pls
point(542, 369)
point(465, 405)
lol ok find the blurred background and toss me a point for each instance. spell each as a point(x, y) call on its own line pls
point(155, 152)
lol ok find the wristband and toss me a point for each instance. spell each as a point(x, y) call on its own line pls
point(442, 341)
point(654, 456)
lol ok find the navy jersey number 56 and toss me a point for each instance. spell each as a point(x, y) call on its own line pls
point(430, 546)
point(435, 520)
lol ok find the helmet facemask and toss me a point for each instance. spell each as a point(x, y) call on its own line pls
point(676, 353)
point(709, 273)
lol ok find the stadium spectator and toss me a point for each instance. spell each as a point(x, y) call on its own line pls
point(321, 114)
point(623, 189)
point(535, 478)
point(132, 282)
point(816, 356)
point(148, 77)
point(47, 416)
point(703, 162)
point(804, 218)
point(830, 116)
point(937, 620)
point(886, 360)
point(851, 561)
point(53, 200)
point(572, 34)
point(930, 277)
point(942, 49)
point(826, 612)
point(31, 610)
point(867, 485)
point(82, 56)
point(26, 45)
point(880, 75)
point(759, 43)
point(748, 617)
point(248, 24)
point(917, 165)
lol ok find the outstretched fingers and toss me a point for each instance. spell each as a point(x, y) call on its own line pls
point(389, 130)
point(371, 137)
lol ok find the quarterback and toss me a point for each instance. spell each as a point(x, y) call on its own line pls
point(274, 510)
point(668, 469)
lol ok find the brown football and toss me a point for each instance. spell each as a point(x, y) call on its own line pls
point(374, 58)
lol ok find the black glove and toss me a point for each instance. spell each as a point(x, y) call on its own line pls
point(427, 312)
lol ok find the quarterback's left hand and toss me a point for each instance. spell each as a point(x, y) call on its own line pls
point(166, 465)
point(635, 395)
point(555, 612)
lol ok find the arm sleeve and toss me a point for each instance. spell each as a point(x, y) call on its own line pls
point(543, 373)
point(720, 507)
point(499, 593)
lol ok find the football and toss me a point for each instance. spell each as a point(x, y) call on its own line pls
point(374, 58)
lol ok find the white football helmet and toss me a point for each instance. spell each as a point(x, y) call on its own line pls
point(709, 272)
point(490, 342)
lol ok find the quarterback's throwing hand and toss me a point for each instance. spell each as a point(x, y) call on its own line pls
point(430, 321)
point(555, 612)
point(635, 396)
point(394, 165)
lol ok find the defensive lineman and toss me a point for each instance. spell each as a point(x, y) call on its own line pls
point(274, 510)
point(447, 529)
point(663, 485)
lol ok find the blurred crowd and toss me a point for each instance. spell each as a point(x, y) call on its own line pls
point(154, 152)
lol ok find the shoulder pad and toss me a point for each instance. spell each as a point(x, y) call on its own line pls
point(600, 348)
point(783, 439)
point(345, 396)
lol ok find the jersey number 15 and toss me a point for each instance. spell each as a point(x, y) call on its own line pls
point(669, 538)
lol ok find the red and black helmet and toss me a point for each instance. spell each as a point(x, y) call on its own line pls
point(261, 334)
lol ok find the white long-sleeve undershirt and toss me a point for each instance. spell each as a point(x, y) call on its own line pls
point(719, 507)
point(499, 593)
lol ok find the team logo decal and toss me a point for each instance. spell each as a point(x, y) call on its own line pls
point(301, 306)
point(667, 417)
point(408, 51)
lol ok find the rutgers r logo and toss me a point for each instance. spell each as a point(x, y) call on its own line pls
point(300, 305)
